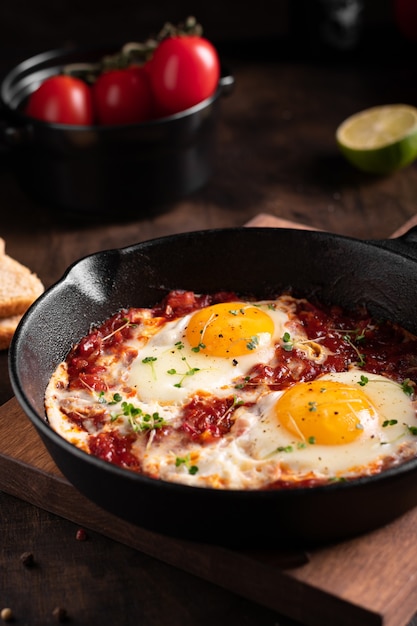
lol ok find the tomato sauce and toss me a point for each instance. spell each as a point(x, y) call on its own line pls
point(115, 449)
point(207, 419)
point(351, 338)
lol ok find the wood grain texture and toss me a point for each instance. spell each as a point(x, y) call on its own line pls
point(368, 580)
point(273, 221)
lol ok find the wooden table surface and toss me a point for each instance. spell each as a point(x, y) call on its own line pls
point(276, 154)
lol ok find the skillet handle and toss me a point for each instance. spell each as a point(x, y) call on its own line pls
point(405, 244)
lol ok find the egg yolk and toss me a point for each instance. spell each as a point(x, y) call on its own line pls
point(229, 329)
point(324, 412)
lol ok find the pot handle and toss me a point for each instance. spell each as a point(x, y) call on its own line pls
point(406, 244)
point(4, 144)
point(226, 83)
point(10, 136)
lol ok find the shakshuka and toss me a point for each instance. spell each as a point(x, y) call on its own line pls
point(224, 392)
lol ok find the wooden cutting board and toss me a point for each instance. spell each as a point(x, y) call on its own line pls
point(369, 580)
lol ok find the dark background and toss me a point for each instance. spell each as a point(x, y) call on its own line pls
point(284, 27)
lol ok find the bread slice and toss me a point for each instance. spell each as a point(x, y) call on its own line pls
point(19, 287)
point(8, 326)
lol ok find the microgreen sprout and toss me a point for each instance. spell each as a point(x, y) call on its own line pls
point(361, 357)
point(301, 445)
point(189, 372)
point(126, 324)
point(252, 343)
point(407, 387)
point(287, 343)
point(236, 402)
point(139, 420)
point(237, 311)
point(186, 461)
point(201, 346)
point(357, 335)
point(116, 398)
point(389, 423)
point(150, 360)
point(242, 385)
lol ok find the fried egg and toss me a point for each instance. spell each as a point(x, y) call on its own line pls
point(206, 351)
point(338, 424)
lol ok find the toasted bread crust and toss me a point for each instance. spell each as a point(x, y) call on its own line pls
point(19, 288)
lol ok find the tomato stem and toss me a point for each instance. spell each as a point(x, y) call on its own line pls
point(133, 52)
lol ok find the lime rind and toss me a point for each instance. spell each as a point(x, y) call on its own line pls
point(391, 130)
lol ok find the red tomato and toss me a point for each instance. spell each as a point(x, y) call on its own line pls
point(184, 70)
point(405, 13)
point(123, 96)
point(62, 100)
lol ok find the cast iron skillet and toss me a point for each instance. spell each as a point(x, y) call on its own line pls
point(256, 261)
point(90, 170)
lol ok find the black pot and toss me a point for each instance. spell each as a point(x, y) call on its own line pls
point(100, 170)
point(257, 261)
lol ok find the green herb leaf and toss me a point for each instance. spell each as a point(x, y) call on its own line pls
point(407, 387)
point(201, 346)
point(149, 359)
point(389, 423)
point(252, 343)
point(287, 344)
point(185, 460)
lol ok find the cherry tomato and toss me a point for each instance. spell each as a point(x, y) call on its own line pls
point(123, 96)
point(184, 70)
point(62, 100)
point(405, 14)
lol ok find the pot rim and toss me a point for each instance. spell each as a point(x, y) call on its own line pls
point(42, 61)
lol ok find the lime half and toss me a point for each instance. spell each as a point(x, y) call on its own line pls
point(380, 140)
